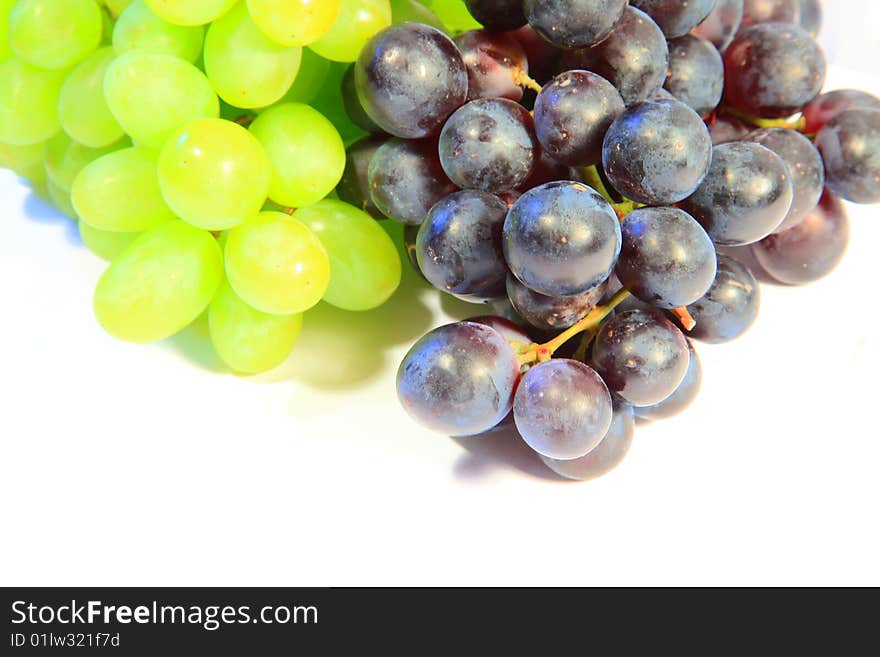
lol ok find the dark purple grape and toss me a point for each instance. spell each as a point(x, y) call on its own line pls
point(406, 179)
point(459, 246)
point(745, 197)
point(725, 128)
point(494, 62)
point(811, 16)
point(850, 146)
point(810, 250)
point(667, 259)
point(543, 57)
point(546, 170)
point(354, 187)
point(561, 239)
point(773, 70)
point(641, 355)
point(409, 79)
point(489, 144)
point(562, 409)
point(574, 24)
point(634, 58)
point(508, 330)
point(459, 379)
point(497, 15)
point(721, 26)
point(352, 104)
point(551, 313)
point(730, 306)
point(676, 18)
point(657, 152)
point(696, 73)
point(607, 455)
point(572, 114)
point(804, 166)
point(825, 107)
point(770, 11)
point(684, 394)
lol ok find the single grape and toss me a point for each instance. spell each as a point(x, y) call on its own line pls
point(459, 245)
point(277, 264)
point(770, 11)
point(28, 103)
point(834, 103)
point(607, 455)
point(120, 192)
point(454, 14)
point(684, 394)
point(573, 24)
point(191, 12)
point(730, 306)
point(245, 67)
point(331, 104)
point(410, 78)
point(657, 152)
point(722, 24)
point(498, 15)
point(641, 355)
point(364, 264)
point(65, 158)
point(247, 340)
point(105, 244)
point(773, 70)
point(159, 284)
point(310, 79)
point(811, 16)
point(696, 73)
point(354, 187)
point(725, 128)
point(459, 379)
point(496, 63)
point(294, 22)
point(54, 34)
point(804, 167)
point(561, 239)
point(151, 96)
point(489, 144)
point(82, 109)
point(214, 174)
point(140, 30)
point(411, 11)
point(850, 146)
point(634, 58)
point(572, 115)
point(406, 179)
point(357, 22)
point(674, 17)
point(551, 313)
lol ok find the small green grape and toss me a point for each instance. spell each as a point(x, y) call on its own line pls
point(190, 12)
point(158, 285)
point(152, 95)
point(214, 174)
point(82, 110)
point(364, 264)
point(60, 198)
point(140, 30)
point(310, 78)
point(28, 102)
point(306, 152)
point(22, 159)
point(357, 22)
point(329, 103)
point(65, 158)
point(411, 11)
point(105, 244)
point(277, 264)
point(54, 34)
point(120, 192)
point(454, 14)
point(247, 340)
point(294, 22)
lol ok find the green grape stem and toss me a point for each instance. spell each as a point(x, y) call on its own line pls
point(522, 79)
point(594, 180)
point(796, 122)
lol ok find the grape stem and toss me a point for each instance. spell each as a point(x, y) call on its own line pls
point(522, 79)
point(797, 122)
point(684, 318)
point(594, 180)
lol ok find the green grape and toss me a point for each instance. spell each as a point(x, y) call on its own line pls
point(82, 110)
point(65, 158)
point(140, 30)
point(364, 264)
point(60, 198)
point(5, 9)
point(190, 12)
point(152, 95)
point(214, 174)
point(116, 7)
point(28, 102)
point(411, 11)
point(277, 264)
point(246, 68)
point(294, 22)
point(309, 80)
point(55, 34)
point(357, 22)
point(247, 340)
point(162, 282)
point(454, 14)
point(306, 152)
point(329, 103)
point(105, 244)
point(22, 159)
point(120, 192)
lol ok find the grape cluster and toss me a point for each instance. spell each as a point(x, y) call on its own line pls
point(577, 164)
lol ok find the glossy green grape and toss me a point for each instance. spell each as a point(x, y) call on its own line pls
point(158, 285)
point(277, 264)
point(105, 244)
point(246, 68)
point(190, 12)
point(140, 30)
point(28, 102)
point(329, 103)
point(247, 340)
point(152, 95)
point(82, 110)
point(454, 14)
point(306, 152)
point(65, 158)
point(22, 159)
point(411, 11)
point(364, 263)
point(294, 22)
point(214, 174)
point(54, 34)
point(120, 192)
point(310, 78)
point(356, 23)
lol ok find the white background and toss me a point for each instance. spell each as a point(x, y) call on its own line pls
point(131, 465)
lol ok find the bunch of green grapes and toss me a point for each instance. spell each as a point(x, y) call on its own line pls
point(199, 144)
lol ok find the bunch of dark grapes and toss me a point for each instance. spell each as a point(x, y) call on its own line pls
point(575, 164)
